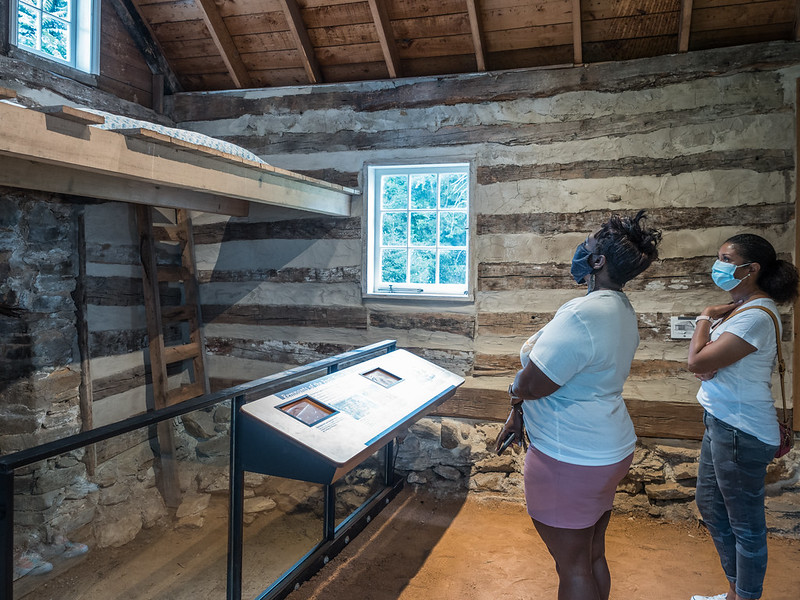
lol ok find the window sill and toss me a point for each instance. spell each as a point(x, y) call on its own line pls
point(52, 66)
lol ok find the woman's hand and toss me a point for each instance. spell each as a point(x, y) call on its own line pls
point(514, 425)
point(705, 376)
point(720, 311)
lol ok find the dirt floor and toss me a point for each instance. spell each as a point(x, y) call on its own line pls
point(417, 548)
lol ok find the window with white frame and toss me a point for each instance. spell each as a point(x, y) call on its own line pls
point(65, 31)
point(418, 221)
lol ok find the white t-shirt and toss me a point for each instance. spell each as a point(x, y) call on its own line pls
point(587, 349)
point(741, 394)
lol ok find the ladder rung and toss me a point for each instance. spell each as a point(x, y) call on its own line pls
point(185, 392)
point(173, 354)
point(169, 233)
point(172, 274)
point(172, 314)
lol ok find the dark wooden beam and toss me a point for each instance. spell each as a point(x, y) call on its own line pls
point(147, 43)
point(685, 25)
point(577, 35)
point(381, 18)
point(224, 43)
point(5, 25)
point(477, 34)
point(796, 307)
point(796, 27)
point(301, 39)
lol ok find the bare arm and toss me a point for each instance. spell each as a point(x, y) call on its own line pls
point(704, 357)
point(530, 383)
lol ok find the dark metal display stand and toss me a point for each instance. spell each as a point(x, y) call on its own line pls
point(318, 432)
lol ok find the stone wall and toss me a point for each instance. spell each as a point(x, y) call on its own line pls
point(456, 457)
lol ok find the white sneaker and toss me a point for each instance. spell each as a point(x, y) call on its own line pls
point(717, 597)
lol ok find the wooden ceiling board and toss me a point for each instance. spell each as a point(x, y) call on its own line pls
point(705, 40)
point(533, 57)
point(410, 9)
point(265, 42)
point(263, 61)
point(181, 30)
point(351, 13)
point(440, 65)
point(610, 51)
point(351, 54)
point(169, 12)
point(530, 37)
point(451, 45)
point(743, 15)
point(280, 77)
point(603, 9)
point(626, 28)
point(516, 17)
point(361, 33)
point(255, 24)
point(189, 49)
point(451, 24)
point(230, 8)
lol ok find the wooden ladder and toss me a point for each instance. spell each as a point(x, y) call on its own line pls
point(186, 316)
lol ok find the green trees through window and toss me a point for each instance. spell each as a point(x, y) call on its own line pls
point(421, 214)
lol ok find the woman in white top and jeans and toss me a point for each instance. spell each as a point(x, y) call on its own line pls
point(582, 439)
point(734, 359)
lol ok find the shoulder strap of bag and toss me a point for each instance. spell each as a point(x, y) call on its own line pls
point(781, 364)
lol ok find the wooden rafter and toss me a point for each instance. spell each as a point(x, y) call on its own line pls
point(224, 43)
point(147, 43)
point(797, 21)
point(303, 42)
point(577, 36)
point(685, 25)
point(477, 34)
point(381, 18)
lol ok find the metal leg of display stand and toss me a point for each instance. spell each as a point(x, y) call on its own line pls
point(7, 533)
point(236, 510)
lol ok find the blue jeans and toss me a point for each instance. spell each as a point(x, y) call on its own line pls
point(730, 496)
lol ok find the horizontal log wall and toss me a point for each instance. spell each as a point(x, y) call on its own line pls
point(704, 141)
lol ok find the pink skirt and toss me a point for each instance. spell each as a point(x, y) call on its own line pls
point(570, 496)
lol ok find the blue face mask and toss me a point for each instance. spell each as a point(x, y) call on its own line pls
point(722, 274)
point(581, 268)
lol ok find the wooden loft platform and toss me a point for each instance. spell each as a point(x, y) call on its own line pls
point(55, 149)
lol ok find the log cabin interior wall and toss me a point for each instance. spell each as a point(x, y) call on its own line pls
point(704, 141)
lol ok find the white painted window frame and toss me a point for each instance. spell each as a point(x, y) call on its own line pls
point(372, 287)
point(84, 39)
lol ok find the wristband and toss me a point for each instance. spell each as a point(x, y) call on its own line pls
point(515, 400)
point(703, 318)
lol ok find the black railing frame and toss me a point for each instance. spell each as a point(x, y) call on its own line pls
point(239, 394)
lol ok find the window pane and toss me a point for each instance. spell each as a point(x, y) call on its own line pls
point(423, 191)
point(453, 266)
point(394, 192)
point(394, 229)
point(393, 266)
point(454, 191)
point(36, 3)
point(423, 266)
point(58, 8)
point(453, 229)
point(27, 26)
point(55, 37)
point(423, 229)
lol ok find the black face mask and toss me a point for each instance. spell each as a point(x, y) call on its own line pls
point(581, 268)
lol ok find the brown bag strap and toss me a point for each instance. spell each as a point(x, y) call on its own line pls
point(781, 364)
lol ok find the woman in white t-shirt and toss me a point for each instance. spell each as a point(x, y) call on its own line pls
point(570, 393)
point(734, 357)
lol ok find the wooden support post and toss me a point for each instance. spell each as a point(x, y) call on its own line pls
point(796, 307)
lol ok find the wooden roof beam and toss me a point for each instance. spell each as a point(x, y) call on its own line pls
point(797, 39)
point(577, 35)
point(380, 15)
point(477, 34)
point(685, 25)
point(147, 43)
point(224, 43)
point(300, 34)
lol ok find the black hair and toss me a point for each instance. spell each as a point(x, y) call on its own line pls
point(629, 246)
point(777, 277)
